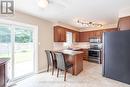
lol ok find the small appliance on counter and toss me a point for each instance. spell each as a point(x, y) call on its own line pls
point(94, 53)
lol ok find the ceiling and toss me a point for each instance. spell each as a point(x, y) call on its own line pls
point(65, 11)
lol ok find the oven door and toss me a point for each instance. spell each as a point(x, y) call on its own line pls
point(94, 53)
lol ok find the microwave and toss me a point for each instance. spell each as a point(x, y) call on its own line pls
point(95, 40)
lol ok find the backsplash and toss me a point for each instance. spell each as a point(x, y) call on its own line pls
point(64, 45)
point(59, 46)
point(81, 45)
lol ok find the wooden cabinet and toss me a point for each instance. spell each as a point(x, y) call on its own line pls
point(84, 36)
point(77, 61)
point(85, 53)
point(98, 33)
point(75, 36)
point(124, 23)
point(3, 72)
point(2, 75)
point(59, 34)
point(91, 34)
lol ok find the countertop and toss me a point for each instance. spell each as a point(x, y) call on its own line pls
point(71, 52)
point(3, 60)
point(74, 49)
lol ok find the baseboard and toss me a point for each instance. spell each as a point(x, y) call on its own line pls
point(43, 70)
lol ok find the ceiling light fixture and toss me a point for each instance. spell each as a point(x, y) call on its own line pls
point(43, 3)
point(86, 24)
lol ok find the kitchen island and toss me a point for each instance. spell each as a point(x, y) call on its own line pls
point(76, 58)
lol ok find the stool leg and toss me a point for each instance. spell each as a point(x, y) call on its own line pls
point(65, 76)
point(52, 70)
point(48, 68)
point(57, 72)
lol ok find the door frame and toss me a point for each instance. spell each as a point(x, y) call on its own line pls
point(35, 37)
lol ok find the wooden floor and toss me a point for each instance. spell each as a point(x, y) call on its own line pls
point(90, 77)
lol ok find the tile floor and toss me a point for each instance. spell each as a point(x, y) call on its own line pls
point(91, 76)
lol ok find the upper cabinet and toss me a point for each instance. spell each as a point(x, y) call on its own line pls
point(82, 36)
point(85, 36)
point(124, 23)
point(59, 34)
point(75, 36)
point(98, 33)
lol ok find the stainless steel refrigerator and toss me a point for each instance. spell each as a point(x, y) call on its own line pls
point(116, 60)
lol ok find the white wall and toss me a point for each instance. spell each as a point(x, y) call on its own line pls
point(45, 35)
point(124, 12)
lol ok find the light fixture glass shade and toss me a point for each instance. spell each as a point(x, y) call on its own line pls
point(87, 24)
point(42, 3)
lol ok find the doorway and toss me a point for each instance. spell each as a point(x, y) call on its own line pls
point(19, 44)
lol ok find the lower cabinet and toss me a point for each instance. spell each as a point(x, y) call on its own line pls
point(3, 74)
point(85, 53)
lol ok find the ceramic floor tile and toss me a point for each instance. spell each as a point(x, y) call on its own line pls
point(91, 76)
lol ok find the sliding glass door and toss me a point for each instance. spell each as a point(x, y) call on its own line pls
point(5, 41)
point(18, 44)
point(23, 51)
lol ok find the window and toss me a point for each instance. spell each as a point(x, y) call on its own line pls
point(69, 38)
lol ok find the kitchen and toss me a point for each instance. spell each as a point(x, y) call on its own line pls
point(90, 43)
point(81, 41)
point(69, 43)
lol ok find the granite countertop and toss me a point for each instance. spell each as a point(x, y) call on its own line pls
point(77, 48)
point(71, 52)
point(3, 60)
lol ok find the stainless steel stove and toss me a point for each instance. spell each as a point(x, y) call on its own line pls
point(94, 52)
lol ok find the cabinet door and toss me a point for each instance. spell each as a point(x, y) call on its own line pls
point(62, 35)
point(56, 34)
point(85, 54)
point(91, 34)
point(2, 75)
point(94, 33)
point(88, 34)
point(59, 34)
point(84, 36)
point(124, 23)
point(99, 34)
point(75, 36)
